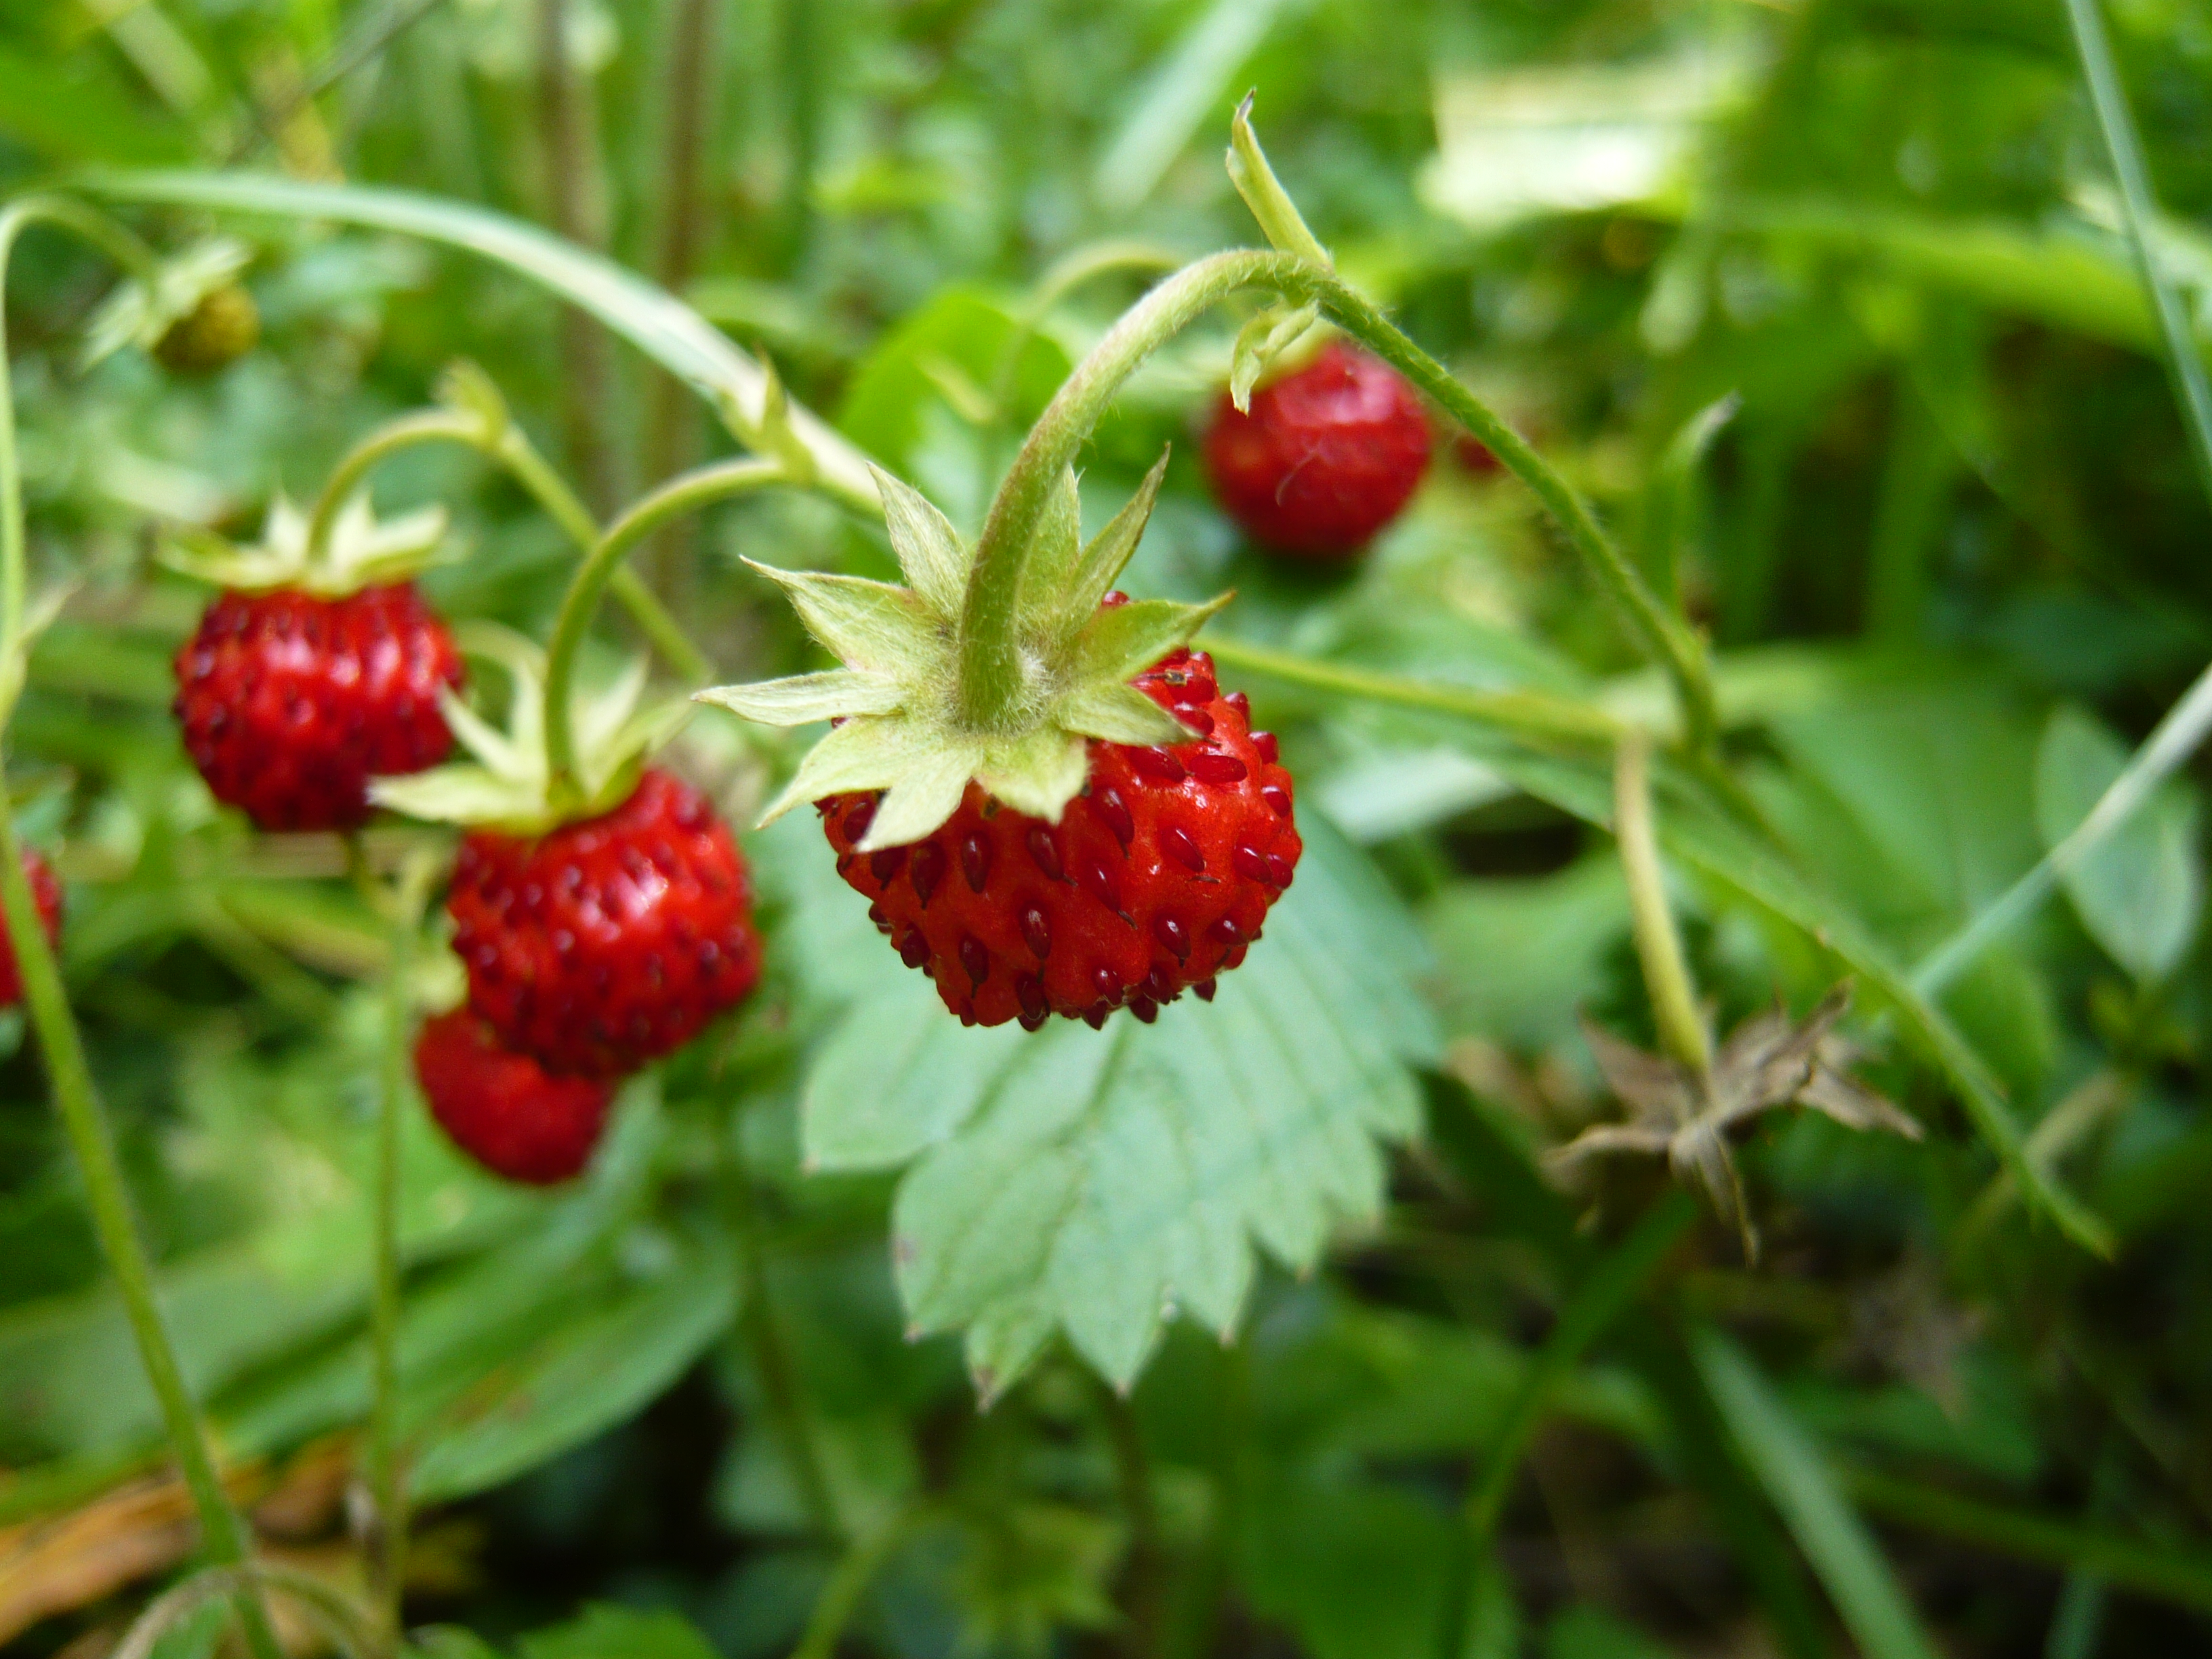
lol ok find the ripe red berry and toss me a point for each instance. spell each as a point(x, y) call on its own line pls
point(290, 703)
point(504, 1110)
point(46, 894)
point(606, 943)
point(1327, 456)
point(1156, 879)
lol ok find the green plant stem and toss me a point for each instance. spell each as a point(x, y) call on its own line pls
point(1599, 1300)
point(402, 907)
point(510, 449)
point(1132, 1474)
point(771, 1356)
point(1535, 716)
point(136, 259)
point(84, 1122)
point(1658, 946)
point(343, 1622)
point(855, 1570)
point(993, 680)
point(701, 487)
point(1067, 274)
point(2139, 208)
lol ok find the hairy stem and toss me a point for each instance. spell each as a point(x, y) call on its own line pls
point(84, 1122)
point(699, 488)
point(992, 686)
point(1658, 946)
point(511, 448)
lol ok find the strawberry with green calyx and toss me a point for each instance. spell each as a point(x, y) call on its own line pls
point(318, 668)
point(602, 922)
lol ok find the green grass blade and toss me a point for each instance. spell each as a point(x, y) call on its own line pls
point(655, 321)
point(1790, 1466)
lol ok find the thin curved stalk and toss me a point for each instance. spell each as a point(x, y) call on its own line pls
point(1531, 717)
point(849, 1582)
point(76, 1100)
point(510, 449)
point(1658, 943)
point(991, 685)
point(340, 1619)
point(699, 488)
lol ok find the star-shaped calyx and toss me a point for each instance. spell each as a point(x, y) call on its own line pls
point(897, 702)
point(361, 550)
point(1770, 1060)
point(508, 783)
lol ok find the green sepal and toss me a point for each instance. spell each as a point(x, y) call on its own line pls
point(1262, 342)
point(361, 550)
point(506, 784)
point(139, 313)
point(896, 726)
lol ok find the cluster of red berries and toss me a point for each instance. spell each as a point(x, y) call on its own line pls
point(1156, 878)
point(591, 950)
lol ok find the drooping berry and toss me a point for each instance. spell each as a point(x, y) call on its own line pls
point(1327, 457)
point(1157, 877)
point(504, 1110)
point(213, 334)
point(291, 703)
point(608, 942)
point(46, 895)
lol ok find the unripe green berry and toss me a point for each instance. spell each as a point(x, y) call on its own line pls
point(213, 334)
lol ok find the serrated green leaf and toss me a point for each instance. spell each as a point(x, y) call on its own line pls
point(930, 550)
point(1110, 549)
point(1117, 645)
point(804, 698)
point(1119, 714)
point(866, 625)
point(2141, 891)
point(1094, 1182)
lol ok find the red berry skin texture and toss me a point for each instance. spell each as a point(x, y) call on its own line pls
point(608, 943)
point(46, 895)
point(504, 1110)
point(1157, 877)
point(290, 703)
point(1327, 456)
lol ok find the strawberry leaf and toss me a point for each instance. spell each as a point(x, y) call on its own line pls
point(1094, 1184)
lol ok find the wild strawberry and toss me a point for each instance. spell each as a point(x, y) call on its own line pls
point(318, 668)
point(46, 894)
point(1157, 877)
point(503, 1109)
point(290, 703)
point(1327, 456)
point(605, 942)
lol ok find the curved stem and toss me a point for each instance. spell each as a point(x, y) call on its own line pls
point(510, 449)
point(840, 1596)
point(699, 488)
point(1067, 274)
point(341, 1620)
point(991, 681)
point(135, 256)
point(222, 1534)
point(1535, 715)
point(1658, 946)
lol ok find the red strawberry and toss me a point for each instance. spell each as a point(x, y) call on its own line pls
point(606, 943)
point(503, 1109)
point(1326, 458)
point(1156, 878)
point(291, 703)
point(46, 894)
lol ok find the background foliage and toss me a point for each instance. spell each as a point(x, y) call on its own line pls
point(1258, 1298)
